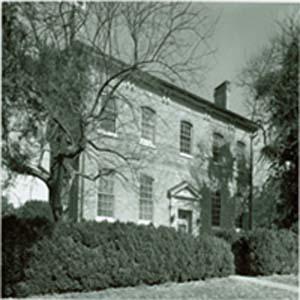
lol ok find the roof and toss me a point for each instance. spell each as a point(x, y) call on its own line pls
point(188, 98)
point(165, 88)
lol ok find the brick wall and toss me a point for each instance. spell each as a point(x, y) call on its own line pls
point(162, 161)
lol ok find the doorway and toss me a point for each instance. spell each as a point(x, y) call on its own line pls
point(184, 221)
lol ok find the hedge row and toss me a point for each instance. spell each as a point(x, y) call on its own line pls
point(93, 256)
point(18, 236)
point(264, 251)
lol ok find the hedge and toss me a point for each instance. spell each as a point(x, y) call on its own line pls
point(18, 236)
point(93, 256)
point(34, 209)
point(264, 251)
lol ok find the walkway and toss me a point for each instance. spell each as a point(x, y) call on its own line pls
point(257, 280)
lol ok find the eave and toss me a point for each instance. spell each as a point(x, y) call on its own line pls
point(165, 88)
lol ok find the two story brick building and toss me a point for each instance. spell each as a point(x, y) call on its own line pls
point(181, 168)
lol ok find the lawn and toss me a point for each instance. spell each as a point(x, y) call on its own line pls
point(220, 288)
point(286, 279)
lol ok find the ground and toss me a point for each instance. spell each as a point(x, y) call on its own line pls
point(287, 279)
point(218, 288)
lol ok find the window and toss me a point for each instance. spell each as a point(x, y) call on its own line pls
point(106, 196)
point(148, 124)
point(218, 141)
point(109, 114)
point(146, 201)
point(185, 137)
point(241, 150)
point(216, 209)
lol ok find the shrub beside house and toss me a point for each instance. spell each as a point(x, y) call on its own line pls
point(93, 256)
point(41, 257)
point(263, 251)
point(266, 251)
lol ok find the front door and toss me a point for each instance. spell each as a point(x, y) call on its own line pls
point(184, 220)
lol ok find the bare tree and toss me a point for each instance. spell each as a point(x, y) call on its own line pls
point(63, 65)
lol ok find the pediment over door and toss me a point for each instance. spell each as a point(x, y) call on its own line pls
point(183, 190)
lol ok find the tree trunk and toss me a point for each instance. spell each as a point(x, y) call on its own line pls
point(57, 192)
point(64, 162)
point(63, 192)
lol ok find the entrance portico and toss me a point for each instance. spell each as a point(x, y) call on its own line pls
point(184, 208)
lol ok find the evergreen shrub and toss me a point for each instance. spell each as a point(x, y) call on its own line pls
point(92, 256)
point(229, 235)
point(18, 236)
point(34, 209)
point(266, 251)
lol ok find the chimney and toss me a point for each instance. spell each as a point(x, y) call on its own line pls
point(221, 94)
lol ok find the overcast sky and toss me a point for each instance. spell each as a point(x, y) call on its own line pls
point(243, 29)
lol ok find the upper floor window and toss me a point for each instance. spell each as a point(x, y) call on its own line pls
point(109, 114)
point(218, 141)
point(186, 137)
point(148, 124)
point(106, 196)
point(146, 197)
point(240, 150)
point(216, 209)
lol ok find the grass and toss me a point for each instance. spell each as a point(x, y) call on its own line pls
point(220, 288)
point(286, 279)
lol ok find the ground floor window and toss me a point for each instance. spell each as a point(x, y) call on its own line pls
point(216, 209)
point(106, 196)
point(146, 198)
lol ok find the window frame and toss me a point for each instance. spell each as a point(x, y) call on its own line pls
point(108, 194)
point(146, 203)
point(145, 124)
point(184, 139)
point(217, 143)
point(216, 211)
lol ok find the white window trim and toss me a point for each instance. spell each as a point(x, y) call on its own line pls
point(186, 155)
point(103, 218)
point(147, 143)
point(144, 222)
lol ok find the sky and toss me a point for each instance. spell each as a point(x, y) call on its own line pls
point(243, 29)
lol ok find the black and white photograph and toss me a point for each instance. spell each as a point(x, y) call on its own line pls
point(149, 150)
